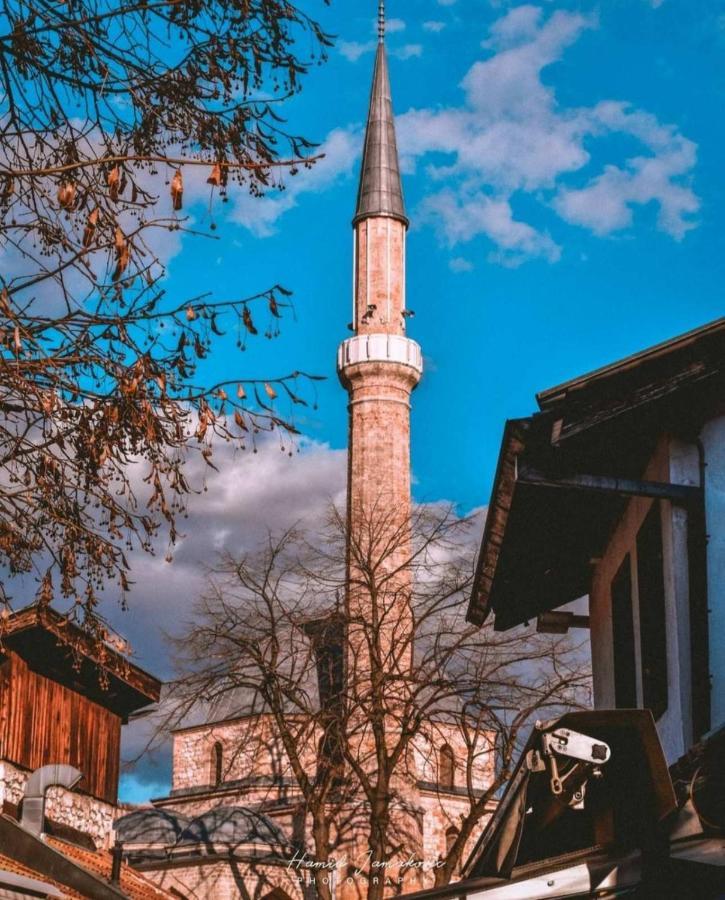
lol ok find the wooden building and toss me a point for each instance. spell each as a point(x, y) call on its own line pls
point(64, 696)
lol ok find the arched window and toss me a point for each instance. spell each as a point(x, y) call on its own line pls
point(217, 763)
point(446, 767)
point(451, 835)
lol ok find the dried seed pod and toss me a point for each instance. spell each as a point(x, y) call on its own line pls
point(114, 182)
point(90, 229)
point(248, 321)
point(219, 175)
point(215, 177)
point(123, 254)
point(67, 195)
point(177, 189)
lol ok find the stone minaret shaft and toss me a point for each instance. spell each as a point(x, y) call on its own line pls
point(380, 366)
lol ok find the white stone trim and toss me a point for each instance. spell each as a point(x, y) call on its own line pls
point(380, 348)
point(379, 399)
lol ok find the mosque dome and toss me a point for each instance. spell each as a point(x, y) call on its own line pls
point(151, 826)
point(232, 825)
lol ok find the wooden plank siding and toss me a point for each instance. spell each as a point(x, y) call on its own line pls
point(42, 722)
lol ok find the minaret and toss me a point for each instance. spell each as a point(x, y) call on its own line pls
point(379, 366)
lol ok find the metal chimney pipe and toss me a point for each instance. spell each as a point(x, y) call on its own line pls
point(35, 788)
point(116, 860)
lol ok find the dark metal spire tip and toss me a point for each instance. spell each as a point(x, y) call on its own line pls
point(380, 192)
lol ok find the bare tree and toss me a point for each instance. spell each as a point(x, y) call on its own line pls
point(105, 108)
point(362, 694)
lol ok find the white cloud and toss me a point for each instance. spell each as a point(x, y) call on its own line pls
point(606, 203)
point(250, 496)
point(408, 51)
point(433, 26)
point(459, 221)
point(392, 26)
point(353, 50)
point(517, 26)
point(458, 265)
point(512, 137)
point(259, 215)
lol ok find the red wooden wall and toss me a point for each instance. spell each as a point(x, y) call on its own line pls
point(44, 722)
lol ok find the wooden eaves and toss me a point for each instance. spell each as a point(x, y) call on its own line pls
point(54, 645)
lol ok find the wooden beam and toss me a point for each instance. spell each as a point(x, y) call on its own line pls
point(626, 487)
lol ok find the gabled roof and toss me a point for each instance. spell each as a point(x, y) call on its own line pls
point(563, 473)
point(17, 880)
point(54, 646)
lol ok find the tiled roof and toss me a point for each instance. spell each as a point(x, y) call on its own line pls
point(10, 865)
point(99, 862)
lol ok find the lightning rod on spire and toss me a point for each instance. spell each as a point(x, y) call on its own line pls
point(381, 20)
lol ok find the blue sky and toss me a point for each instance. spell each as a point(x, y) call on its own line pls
point(564, 180)
point(567, 93)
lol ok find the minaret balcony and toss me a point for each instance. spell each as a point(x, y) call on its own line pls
point(393, 348)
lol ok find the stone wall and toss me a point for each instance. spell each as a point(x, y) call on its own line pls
point(436, 735)
point(228, 880)
point(379, 276)
point(249, 747)
point(250, 751)
point(76, 810)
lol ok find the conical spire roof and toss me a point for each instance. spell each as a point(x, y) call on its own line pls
point(380, 192)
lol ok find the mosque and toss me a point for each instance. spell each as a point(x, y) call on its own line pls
point(231, 821)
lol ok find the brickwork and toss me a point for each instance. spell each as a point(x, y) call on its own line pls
point(228, 881)
point(379, 276)
point(379, 433)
